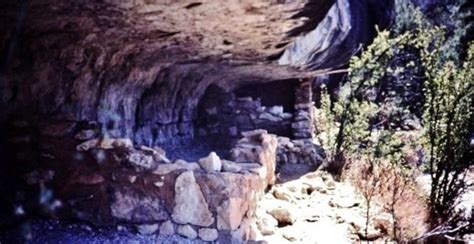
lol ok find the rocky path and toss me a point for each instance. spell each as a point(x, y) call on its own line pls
point(310, 208)
point(314, 209)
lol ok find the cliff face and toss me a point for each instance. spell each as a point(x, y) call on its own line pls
point(139, 69)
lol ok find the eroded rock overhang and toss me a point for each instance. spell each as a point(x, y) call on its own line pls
point(85, 72)
point(138, 70)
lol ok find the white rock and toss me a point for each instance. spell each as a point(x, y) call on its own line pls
point(190, 205)
point(164, 169)
point(267, 225)
point(132, 178)
point(282, 193)
point(211, 162)
point(229, 166)
point(286, 115)
point(275, 110)
point(159, 183)
point(147, 229)
point(167, 228)
point(187, 231)
point(85, 146)
point(283, 214)
point(117, 143)
point(208, 234)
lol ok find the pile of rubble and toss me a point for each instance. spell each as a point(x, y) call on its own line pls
point(317, 209)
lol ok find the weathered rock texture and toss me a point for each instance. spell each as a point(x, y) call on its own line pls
point(138, 69)
point(338, 36)
point(299, 152)
point(226, 114)
point(80, 75)
point(198, 202)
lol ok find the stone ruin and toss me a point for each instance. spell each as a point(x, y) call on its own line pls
point(105, 179)
point(212, 199)
point(88, 75)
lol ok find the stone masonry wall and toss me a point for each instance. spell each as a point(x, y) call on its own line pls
point(111, 182)
point(302, 122)
point(303, 151)
point(241, 114)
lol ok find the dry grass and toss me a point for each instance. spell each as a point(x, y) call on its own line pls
point(395, 189)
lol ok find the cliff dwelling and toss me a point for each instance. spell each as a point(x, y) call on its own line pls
point(173, 119)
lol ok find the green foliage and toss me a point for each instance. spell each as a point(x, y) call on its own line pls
point(359, 124)
point(451, 17)
point(448, 118)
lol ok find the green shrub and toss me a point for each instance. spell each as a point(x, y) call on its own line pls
point(448, 121)
point(361, 123)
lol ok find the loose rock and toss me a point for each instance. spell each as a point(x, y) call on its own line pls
point(167, 228)
point(147, 229)
point(187, 231)
point(207, 234)
point(211, 162)
point(267, 224)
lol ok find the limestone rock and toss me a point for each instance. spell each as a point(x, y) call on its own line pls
point(275, 110)
point(208, 234)
point(187, 231)
point(229, 166)
point(147, 229)
point(267, 224)
point(190, 205)
point(231, 213)
point(163, 169)
point(283, 214)
point(282, 193)
point(211, 163)
point(167, 228)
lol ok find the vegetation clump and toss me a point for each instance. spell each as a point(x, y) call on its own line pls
point(406, 106)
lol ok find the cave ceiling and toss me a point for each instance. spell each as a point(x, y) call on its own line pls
point(234, 31)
